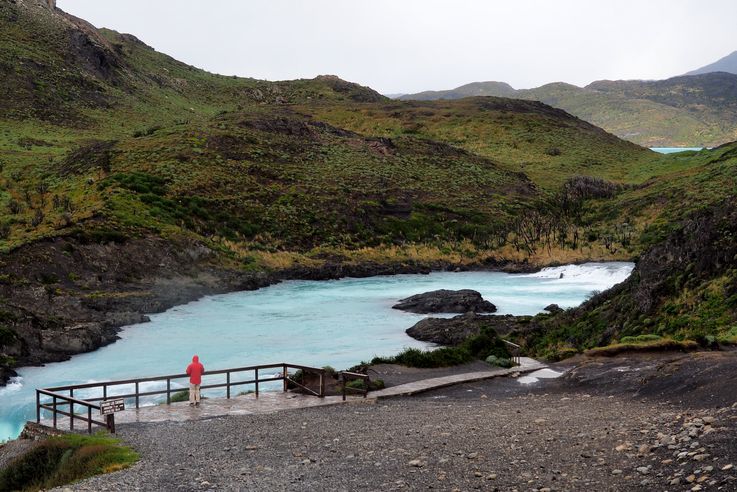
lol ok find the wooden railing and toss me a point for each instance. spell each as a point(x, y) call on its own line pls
point(59, 399)
point(515, 351)
point(346, 376)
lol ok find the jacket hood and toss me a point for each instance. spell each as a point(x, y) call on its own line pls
point(195, 358)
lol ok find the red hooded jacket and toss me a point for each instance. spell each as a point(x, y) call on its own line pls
point(195, 370)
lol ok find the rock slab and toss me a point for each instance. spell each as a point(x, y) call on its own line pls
point(453, 331)
point(446, 301)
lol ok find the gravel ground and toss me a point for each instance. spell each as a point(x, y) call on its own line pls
point(567, 434)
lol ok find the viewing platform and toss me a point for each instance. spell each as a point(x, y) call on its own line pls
point(87, 411)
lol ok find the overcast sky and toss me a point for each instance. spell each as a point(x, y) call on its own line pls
point(413, 45)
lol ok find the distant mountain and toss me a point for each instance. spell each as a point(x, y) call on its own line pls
point(394, 95)
point(497, 89)
point(696, 110)
point(727, 64)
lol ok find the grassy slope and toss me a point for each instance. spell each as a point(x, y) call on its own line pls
point(677, 112)
point(685, 285)
point(159, 146)
point(143, 144)
point(548, 145)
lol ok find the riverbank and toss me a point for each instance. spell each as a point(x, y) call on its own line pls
point(64, 296)
point(588, 430)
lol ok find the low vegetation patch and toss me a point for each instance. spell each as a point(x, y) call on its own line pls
point(499, 361)
point(180, 396)
point(477, 347)
point(660, 345)
point(360, 384)
point(62, 460)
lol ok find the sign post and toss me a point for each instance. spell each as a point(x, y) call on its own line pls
point(108, 409)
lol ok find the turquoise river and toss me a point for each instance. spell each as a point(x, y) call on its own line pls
point(337, 323)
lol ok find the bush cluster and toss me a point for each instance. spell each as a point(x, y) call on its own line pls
point(62, 460)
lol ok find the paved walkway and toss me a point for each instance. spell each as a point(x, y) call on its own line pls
point(526, 365)
point(275, 401)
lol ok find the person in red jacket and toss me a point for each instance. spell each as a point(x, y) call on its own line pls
point(194, 371)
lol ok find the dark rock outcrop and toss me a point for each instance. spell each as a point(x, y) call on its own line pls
point(453, 331)
point(553, 308)
point(446, 301)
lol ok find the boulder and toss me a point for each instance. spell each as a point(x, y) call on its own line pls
point(446, 301)
point(453, 331)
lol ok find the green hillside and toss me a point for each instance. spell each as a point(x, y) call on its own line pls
point(491, 88)
point(131, 182)
point(688, 111)
point(685, 283)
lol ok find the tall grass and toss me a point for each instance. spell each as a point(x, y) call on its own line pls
point(65, 459)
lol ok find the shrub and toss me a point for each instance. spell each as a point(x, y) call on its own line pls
point(641, 339)
point(480, 346)
point(442, 357)
point(499, 361)
point(360, 384)
point(485, 344)
point(14, 207)
point(180, 396)
point(62, 460)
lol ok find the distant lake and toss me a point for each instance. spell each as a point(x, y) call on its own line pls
point(673, 150)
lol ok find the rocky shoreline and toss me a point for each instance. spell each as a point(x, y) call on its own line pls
point(66, 296)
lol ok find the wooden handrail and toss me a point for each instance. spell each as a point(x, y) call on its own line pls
point(71, 401)
point(174, 376)
point(516, 358)
point(344, 375)
point(60, 399)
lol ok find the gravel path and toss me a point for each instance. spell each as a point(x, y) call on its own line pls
point(486, 435)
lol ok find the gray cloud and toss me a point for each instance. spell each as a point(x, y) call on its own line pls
point(413, 45)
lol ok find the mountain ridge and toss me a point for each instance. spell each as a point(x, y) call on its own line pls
point(725, 64)
point(683, 111)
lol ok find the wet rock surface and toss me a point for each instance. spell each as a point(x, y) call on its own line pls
point(453, 331)
point(446, 301)
point(564, 434)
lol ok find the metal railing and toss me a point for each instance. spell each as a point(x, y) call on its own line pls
point(59, 399)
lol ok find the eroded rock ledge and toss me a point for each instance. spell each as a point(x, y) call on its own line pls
point(453, 331)
point(446, 301)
